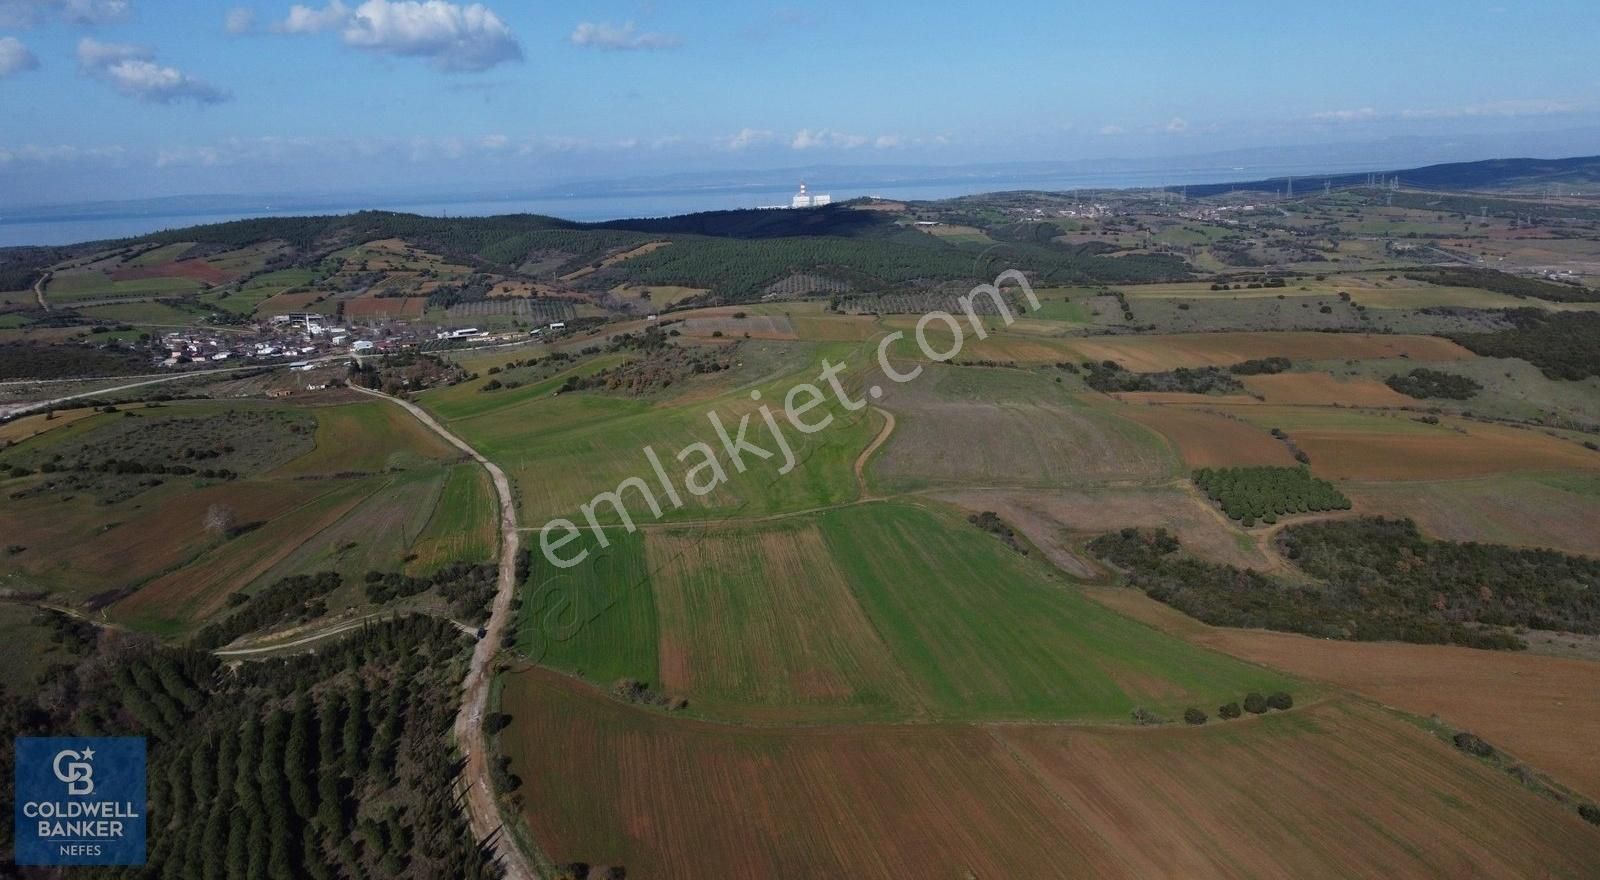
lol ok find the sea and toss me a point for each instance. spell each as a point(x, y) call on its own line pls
point(64, 225)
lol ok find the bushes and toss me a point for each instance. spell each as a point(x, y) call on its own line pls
point(1109, 376)
point(1473, 745)
point(1261, 366)
point(1249, 494)
point(1228, 711)
point(1377, 580)
point(1423, 383)
point(1145, 718)
point(1280, 701)
point(1562, 347)
point(1194, 716)
point(1255, 704)
point(1590, 813)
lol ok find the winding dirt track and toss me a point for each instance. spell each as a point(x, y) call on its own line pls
point(482, 811)
point(861, 460)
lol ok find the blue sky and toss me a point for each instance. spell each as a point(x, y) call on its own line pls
point(134, 98)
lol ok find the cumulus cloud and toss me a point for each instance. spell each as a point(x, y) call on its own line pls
point(37, 154)
point(748, 137)
point(27, 13)
point(1524, 107)
point(604, 35)
point(1361, 115)
point(240, 20)
point(1110, 130)
point(1177, 125)
point(133, 71)
point(806, 139)
point(452, 37)
point(887, 141)
point(15, 57)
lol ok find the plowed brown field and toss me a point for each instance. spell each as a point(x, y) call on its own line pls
point(1338, 789)
point(1538, 708)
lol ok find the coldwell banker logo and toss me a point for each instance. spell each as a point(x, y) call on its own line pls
point(80, 800)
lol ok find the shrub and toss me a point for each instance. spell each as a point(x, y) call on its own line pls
point(1228, 710)
point(1472, 744)
point(1280, 701)
point(1254, 703)
point(1194, 716)
point(1144, 717)
point(1590, 813)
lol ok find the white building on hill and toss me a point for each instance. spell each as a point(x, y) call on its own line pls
point(802, 199)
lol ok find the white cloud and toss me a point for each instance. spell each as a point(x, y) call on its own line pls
point(133, 71)
point(887, 141)
point(1361, 115)
point(27, 13)
point(306, 20)
point(604, 35)
point(1110, 130)
point(748, 137)
point(1177, 125)
point(452, 36)
point(1523, 107)
point(806, 139)
point(240, 20)
point(33, 153)
point(15, 57)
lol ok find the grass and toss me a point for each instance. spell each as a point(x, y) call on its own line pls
point(868, 612)
point(367, 437)
point(597, 620)
point(462, 526)
point(561, 451)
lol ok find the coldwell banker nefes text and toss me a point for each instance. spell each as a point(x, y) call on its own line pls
point(80, 800)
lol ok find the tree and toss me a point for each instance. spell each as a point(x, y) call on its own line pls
point(1254, 703)
point(1280, 701)
point(1194, 716)
point(1228, 710)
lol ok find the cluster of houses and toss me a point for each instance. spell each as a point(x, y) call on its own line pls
point(294, 335)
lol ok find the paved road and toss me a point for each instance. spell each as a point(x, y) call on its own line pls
point(482, 810)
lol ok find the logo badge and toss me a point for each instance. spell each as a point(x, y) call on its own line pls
point(80, 800)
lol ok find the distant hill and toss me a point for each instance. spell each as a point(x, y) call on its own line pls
point(1490, 174)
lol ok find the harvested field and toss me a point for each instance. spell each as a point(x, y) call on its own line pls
point(173, 603)
point(754, 326)
point(1535, 707)
point(764, 619)
point(1455, 450)
point(834, 328)
point(1323, 389)
point(198, 270)
point(1057, 522)
point(954, 426)
point(1207, 439)
point(370, 307)
point(1337, 789)
point(1556, 512)
point(1155, 353)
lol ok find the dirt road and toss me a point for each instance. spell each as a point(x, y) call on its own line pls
point(482, 811)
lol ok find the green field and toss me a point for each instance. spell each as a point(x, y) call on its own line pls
point(874, 611)
point(561, 451)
